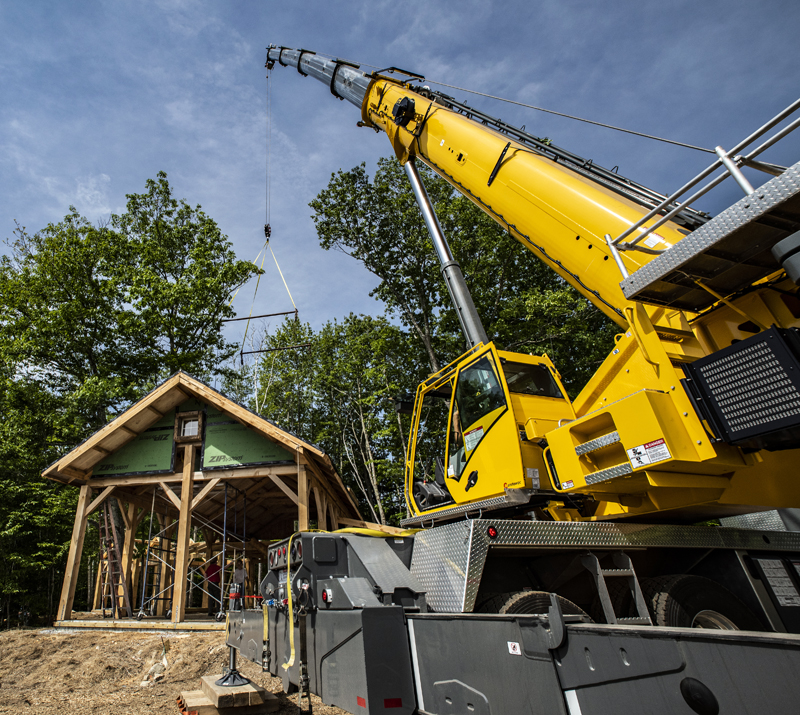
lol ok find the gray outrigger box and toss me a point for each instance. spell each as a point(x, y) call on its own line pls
point(378, 660)
point(373, 648)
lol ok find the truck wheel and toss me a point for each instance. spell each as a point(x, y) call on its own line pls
point(685, 601)
point(528, 602)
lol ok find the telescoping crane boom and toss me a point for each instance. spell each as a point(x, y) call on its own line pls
point(653, 434)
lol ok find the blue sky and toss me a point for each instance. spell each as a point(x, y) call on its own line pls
point(98, 96)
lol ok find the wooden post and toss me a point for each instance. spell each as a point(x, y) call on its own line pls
point(128, 545)
point(302, 498)
point(322, 507)
point(210, 536)
point(184, 527)
point(98, 584)
point(74, 558)
point(164, 545)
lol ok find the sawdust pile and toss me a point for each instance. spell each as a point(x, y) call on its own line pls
point(97, 672)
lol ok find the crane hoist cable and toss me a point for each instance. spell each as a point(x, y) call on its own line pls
point(548, 111)
point(267, 233)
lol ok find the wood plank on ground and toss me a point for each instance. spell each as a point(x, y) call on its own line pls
point(196, 702)
point(236, 697)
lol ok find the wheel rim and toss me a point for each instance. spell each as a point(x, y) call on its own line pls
point(713, 620)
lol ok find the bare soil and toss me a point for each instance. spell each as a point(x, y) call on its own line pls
point(99, 672)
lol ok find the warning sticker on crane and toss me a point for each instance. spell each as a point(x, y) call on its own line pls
point(472, 438)
point(780, 582)
point(656, 451)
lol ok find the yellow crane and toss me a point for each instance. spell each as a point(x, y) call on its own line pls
point(653, 435)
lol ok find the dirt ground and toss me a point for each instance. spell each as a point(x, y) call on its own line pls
point(99, 672)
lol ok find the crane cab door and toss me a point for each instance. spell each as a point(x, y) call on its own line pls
point(466, 445)
point(483, 448)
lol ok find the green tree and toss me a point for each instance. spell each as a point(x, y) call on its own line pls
point(101, 313)
point(180, 273)
point(91, 317)
point(339, 394)
point(35, 515)
point(519, 299)
point(379, 224)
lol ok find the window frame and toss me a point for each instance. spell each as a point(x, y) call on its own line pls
point(180, 418)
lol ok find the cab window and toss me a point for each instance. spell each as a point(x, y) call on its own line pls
point(479, 401)
point(527, 379)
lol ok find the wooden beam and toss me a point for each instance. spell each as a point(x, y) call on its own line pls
point(204, 492)
point(131, 432)
point(245, 473)
point(331, 481)
point(284, 488)
point(74, 557)
point(184, 528)
point(336, 496)
point(321, 500)
point(302, 498)
point(370, 525)
point(97, 502)
point(69, 472)
point(131, 522)
point(145, 502)
point(221, 507)
point(165, 580)
point(173, 497)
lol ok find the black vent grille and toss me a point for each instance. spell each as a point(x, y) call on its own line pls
point(749, 393)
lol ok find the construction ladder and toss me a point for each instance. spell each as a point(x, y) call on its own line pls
point(624, 569)
point(113, 581)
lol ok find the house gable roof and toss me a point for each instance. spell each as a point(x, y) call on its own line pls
point(76, 466)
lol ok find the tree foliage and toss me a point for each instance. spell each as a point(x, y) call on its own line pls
point(91, 318)
point(339, 394)
point(524, 305)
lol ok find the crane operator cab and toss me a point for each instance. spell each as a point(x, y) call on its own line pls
point(478, 430)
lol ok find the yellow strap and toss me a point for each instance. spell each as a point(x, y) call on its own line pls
point(290, 662)
point(266, 624)
point(254, 262)
point(282, 278)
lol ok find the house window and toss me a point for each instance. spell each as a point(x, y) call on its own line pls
point(188, 426)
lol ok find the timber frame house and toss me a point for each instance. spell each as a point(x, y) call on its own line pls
point(175, 453)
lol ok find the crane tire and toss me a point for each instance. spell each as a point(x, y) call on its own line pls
point(528, 602)
point(686, 601)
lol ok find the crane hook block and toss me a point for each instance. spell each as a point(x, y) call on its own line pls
point(267, 231)
point(403, 111)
